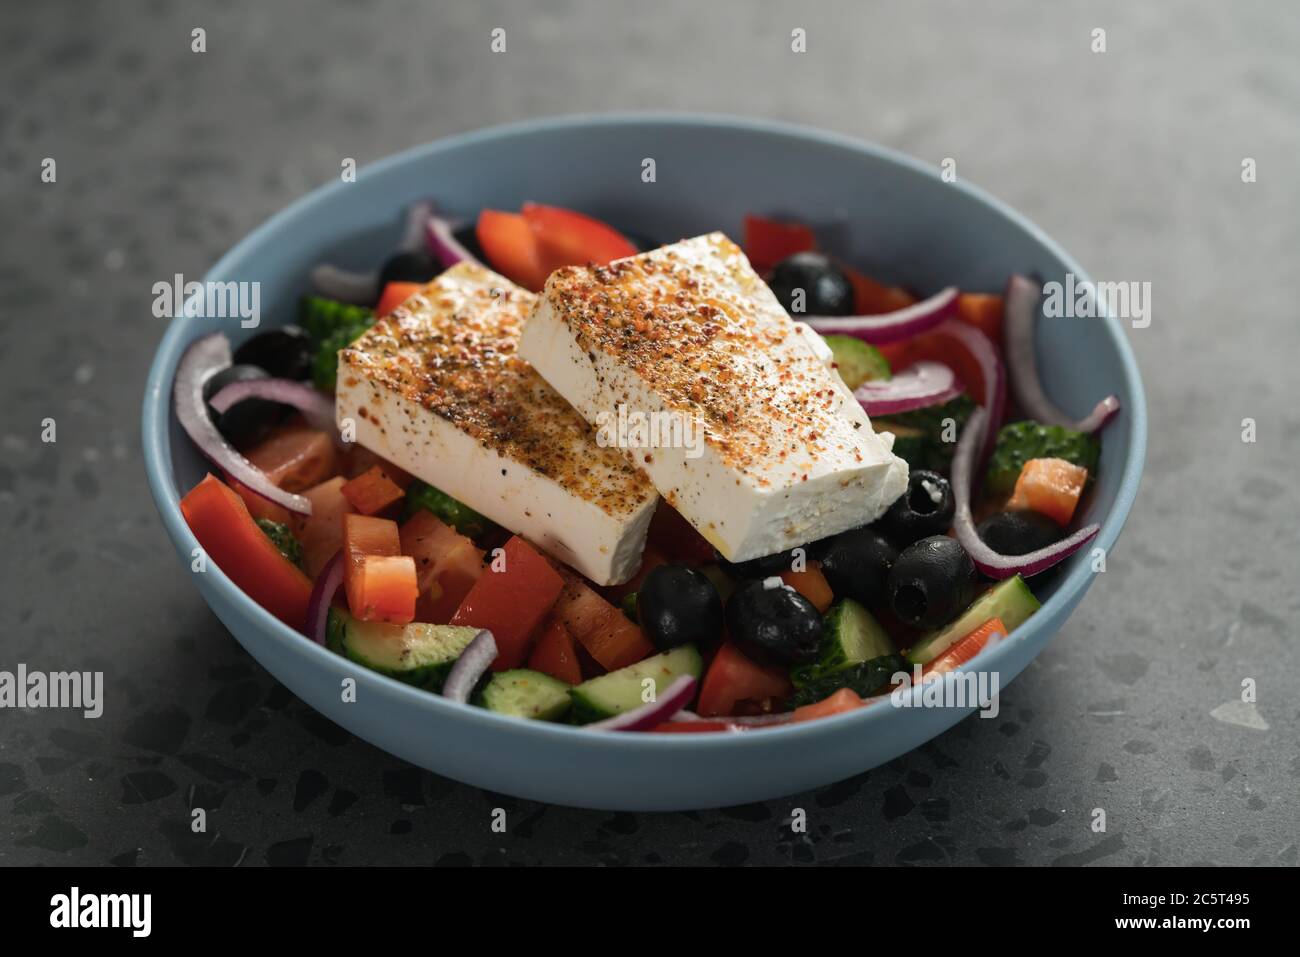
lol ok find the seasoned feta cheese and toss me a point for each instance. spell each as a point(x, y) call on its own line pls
point(438, 389)
point(787, 456)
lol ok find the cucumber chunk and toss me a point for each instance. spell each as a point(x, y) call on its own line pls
point(857, 361)
point(1011, 600)
point(523, 693)
point(926, 438)
point(620, 690)
point(417, 654)
point(865, 678)
point(1021, 441)
point(334, 623)
point(851, 636)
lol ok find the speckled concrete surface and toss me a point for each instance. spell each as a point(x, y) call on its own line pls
point(1131, 158)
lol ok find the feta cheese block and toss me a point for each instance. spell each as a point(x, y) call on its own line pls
point(438, 388)
point(771, 450)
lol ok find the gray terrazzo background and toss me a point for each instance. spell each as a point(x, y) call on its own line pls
point(1131, 158)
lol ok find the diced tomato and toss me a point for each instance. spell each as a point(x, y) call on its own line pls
point(511, 247)
point(396, 293)
point(259, 506)
point(567, 238)
point(733, 678)
point(366, 535)
point(296, 457)
point(984, 312)
point(555, 654)
point(651, 559)
point(231, 539)
point(767, 241)
point(812, 584)
point(872, 298)
point(846, 699)
point(388, 589)
point(358, 459)
point(677, 538)
point(1050, 486)
point(321, 532)
point(607, 634)
point(380, 582)
point(446, 565)
point(511, 603)
point(372, 491)
point(689, 727)
point(965, 648)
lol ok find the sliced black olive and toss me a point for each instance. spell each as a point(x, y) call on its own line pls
point(418, 266)
point(826, 290)
point(676, 605)
point(925, 509)
point(285, 353)
point(856, 564)
point(244, 423)
point(772, 622)
point(1019, 533)
point(932, 582)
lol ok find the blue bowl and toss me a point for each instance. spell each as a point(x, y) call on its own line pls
point(889, 213)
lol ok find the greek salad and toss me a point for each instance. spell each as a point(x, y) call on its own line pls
point(430, 471)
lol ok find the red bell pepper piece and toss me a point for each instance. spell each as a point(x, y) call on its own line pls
point(767, 241)
point(221, 522)
point(511, 248)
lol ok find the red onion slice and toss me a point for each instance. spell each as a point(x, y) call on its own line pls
point(205, 357)
point(1022, 299)
point(316, 408)
point(994, 564)
point(417, 221)
point(985, 353)
point(918, 386)
point(666, 704)
point(328, 582)
point(441, 238)
point(470, 666)
point(891, 326)
point(355, 288)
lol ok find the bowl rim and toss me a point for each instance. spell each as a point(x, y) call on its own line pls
point(155, 426)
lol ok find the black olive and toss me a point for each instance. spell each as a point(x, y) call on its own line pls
point(246, 422)
point(925, 509)
point(856, 564)
point(467, 236)
point(771, 621)
point(286, 353)
point(676, 605)
point(932, 582)
point(1019, 533)
point(826, 290)
point(416, 266)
